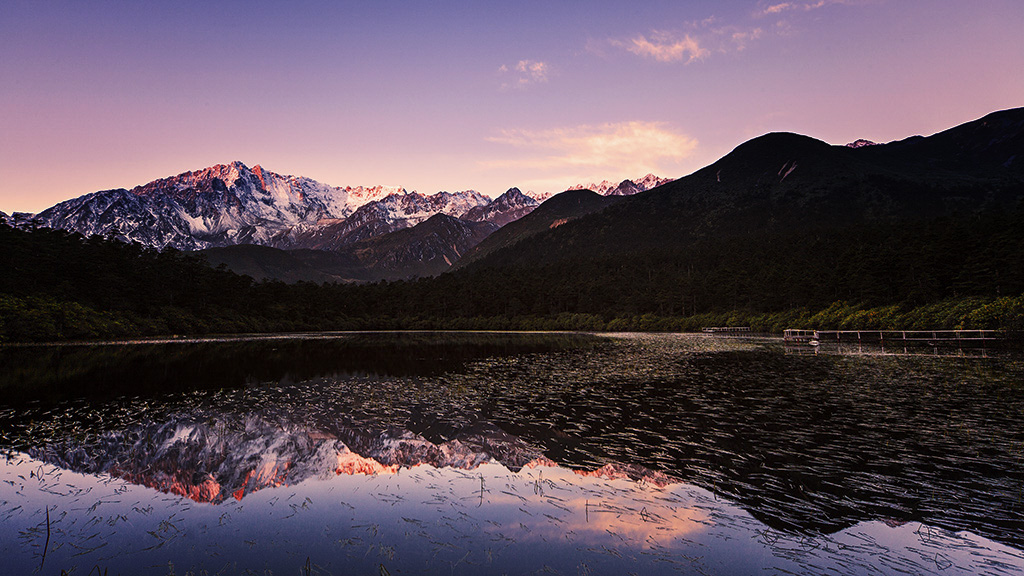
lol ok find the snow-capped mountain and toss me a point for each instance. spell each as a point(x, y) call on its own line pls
point(608, 188)
point(861, 143)
point(651, 181)
point(624, 188)
point(152, 221)
point(509, 207)
point(540, 197)
point(391, 213)
point(231, 204)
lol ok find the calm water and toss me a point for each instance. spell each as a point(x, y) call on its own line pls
point(504, 453)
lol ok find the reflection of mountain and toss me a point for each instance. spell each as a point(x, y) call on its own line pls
point(211, 459)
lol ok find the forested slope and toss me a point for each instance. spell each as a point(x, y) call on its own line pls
point(941, 273)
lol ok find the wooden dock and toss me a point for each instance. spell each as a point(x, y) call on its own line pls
point(904, 337)
point(726, 329)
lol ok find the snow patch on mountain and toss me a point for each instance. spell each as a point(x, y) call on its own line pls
point(510, 206)
point(230, 204)
point(390, 214)
point(624, 188)
point(540, 197)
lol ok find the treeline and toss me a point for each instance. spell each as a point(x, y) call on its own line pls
point(948, 273)
point(35, 319)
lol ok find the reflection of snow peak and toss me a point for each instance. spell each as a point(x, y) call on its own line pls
point(634, 472)
point(351, 463)
point(211, 460)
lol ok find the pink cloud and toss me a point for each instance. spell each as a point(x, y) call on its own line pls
point(665, 48)
point(781, 7)
point(564, 156)
point(524, 73)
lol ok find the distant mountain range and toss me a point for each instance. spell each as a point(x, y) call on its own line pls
point(229, 209)
point(624, 188)
point(776, 184)
point(785, 230)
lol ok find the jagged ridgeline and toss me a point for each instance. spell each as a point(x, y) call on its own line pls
point(233, 205)
point(927, 231)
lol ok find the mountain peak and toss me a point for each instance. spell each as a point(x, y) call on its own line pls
point(772, 149)
point(861, 143)
point(513, 192)
point(510, 206)
point(790, 140)
point(625, 188)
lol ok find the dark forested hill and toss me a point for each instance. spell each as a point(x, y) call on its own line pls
point(782, 182)
point(553, 213)
point(426, 249)
point(264, 262)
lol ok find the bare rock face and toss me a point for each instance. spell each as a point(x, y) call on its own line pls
point(231, 212)
point(230, 204)
point(509, 207)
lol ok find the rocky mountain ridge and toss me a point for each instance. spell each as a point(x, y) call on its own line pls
point(624, 188)
point(232, 204)
point(509, 207)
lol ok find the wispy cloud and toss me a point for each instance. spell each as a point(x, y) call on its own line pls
point(780, 7)
point(524, 73)
point(777, 8)
point(664, 47)
point(740, 38)
point(701, 39)
point(611, 150)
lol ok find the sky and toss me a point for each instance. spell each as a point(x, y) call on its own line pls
point(474, 95)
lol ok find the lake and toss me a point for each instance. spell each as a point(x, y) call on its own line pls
point(506, 453)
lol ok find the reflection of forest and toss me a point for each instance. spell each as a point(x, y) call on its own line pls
point(50, 373)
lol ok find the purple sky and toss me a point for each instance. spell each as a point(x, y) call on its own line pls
point(450, 96)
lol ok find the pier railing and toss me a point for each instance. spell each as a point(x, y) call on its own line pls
point(725, 329)
point(929, 337)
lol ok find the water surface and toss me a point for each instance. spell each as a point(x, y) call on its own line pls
point(519, 454)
